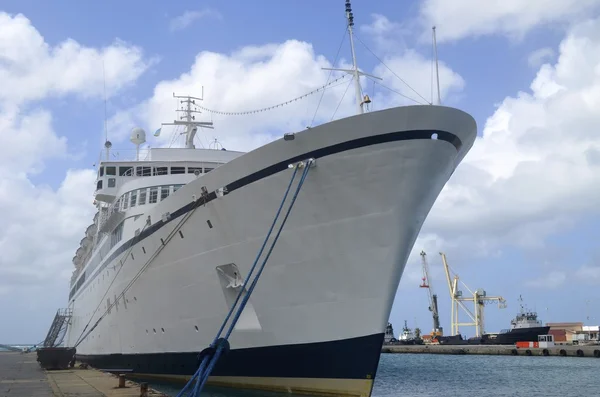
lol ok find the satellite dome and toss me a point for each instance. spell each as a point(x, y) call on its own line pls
point(138, 136)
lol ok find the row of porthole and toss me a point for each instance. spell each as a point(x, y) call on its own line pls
point(133, 258)
point(144, 250)
point(163, 330)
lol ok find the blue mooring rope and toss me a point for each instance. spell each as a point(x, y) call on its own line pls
point(211, 354)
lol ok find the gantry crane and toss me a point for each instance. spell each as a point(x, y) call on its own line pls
point(433, 306)
point(479, 299)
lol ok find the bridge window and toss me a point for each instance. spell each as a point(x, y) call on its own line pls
point(177, 170)
point(142, 196)
point(192, 170)
point(111, 171)
point(99, 184)
point(125, 171)
point(101, 171)
point(176, 188)
point(133, 198)
point(208, 170)
point(112, 182)
point(161, 170)
point(153, 195)
point(143, 171)
point(164, 192)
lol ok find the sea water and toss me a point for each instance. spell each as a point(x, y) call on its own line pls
point(436, 375)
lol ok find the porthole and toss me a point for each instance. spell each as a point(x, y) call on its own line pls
point(195, 326)
point(163, 330)
point(434, 136)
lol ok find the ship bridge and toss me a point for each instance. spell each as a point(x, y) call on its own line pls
point(177, 166)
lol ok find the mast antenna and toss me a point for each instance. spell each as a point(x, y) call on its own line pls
point(360, 102)
point(437, 72)
point(107, 143)
point(188, 119)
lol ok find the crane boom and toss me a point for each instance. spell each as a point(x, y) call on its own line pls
point(478, 297)
point(433, 305)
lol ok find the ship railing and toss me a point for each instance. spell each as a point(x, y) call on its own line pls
point(125, 155)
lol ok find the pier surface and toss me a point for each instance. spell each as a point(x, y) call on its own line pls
point(22, 376)
point(564, 351)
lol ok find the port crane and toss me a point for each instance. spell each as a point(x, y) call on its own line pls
point(433, 306)
point(479, 299)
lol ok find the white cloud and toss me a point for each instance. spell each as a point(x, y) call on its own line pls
point(553, 279)
point(457, 19)
point(184, 20)
point(589, 273)
point(387, 35)
point(31, 69)
point(41, 226)
point(539, 56)
point(535, 170)
point(416, 71)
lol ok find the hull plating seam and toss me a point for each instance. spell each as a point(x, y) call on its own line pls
point(273, 169)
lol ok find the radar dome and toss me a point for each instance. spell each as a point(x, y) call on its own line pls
point(138, 136)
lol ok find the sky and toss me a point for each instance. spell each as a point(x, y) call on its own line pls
point(518, 217)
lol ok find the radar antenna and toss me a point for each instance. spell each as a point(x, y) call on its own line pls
point(188, 119)
point(354, 71)
point(215, 144)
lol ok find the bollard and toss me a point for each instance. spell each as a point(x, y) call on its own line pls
point(143, 389)
point(121, 380)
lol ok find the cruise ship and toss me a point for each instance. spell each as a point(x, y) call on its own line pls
point(177, 230)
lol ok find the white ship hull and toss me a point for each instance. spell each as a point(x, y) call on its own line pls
point(316, 320)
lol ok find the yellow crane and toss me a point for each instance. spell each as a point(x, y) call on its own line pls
point(479, 299)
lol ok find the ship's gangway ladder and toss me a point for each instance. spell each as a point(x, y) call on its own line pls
point(58, 329)
point(220, 345)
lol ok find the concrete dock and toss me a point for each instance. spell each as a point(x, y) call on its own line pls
point(503, 350)
point(21, 375)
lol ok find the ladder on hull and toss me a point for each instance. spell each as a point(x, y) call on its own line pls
point(58, 329)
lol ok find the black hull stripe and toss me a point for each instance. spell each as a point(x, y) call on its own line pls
point(281, 166)
point(355, 358)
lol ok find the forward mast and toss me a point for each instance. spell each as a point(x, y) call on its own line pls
point(360, 101)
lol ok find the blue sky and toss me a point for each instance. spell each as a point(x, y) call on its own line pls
point(518, 217)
